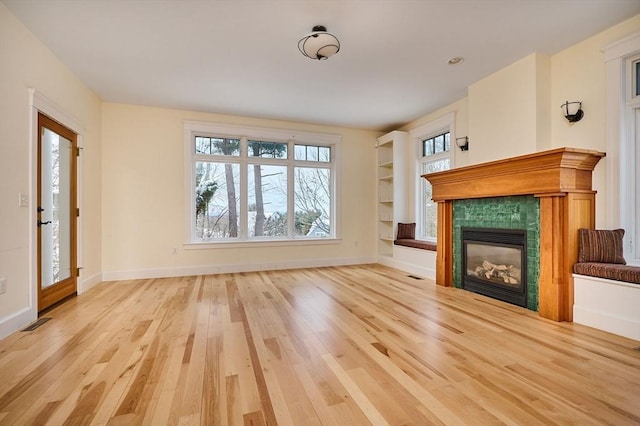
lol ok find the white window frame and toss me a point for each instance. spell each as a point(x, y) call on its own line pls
point(418, 135)
point(246, 133)
point(623, 174)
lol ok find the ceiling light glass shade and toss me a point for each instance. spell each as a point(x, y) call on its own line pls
point(572, 111)
point(319, 44)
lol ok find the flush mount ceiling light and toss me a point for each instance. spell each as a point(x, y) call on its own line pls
point(456, 60)
point(319, 44)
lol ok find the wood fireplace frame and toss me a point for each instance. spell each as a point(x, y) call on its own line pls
point(562, 179)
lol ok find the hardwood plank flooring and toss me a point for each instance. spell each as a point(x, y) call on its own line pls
point(352, 345)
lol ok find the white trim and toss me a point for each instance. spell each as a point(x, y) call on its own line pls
point(607, 305)
point(621, 48)
point(446, 123)
point(80, 219)
point(54, 111)
point(14, 322)
point(244, 134)
point(261, 243)
point(91, 282)
point(232, 268)
point(189, 181)
point(620, 159)
point(40, 103)
point(274, 135)
point(34, 104)
point(412, 260)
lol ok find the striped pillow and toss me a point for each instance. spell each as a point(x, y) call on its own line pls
point(406, 231)
point(601, 246)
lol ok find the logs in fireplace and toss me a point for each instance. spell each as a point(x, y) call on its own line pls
point(494, 263)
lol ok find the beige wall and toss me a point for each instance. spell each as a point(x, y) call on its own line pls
point(503, 112)
point(578, 74)
point(144, 197)
point(24, 63)
point(516, 110)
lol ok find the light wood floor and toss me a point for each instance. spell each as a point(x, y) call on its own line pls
point(332, 346)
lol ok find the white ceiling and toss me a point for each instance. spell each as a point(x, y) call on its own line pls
point(241, 57)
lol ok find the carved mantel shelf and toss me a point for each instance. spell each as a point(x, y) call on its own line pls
point(561, 178)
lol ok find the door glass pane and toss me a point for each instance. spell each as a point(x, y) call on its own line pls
point(56, 205)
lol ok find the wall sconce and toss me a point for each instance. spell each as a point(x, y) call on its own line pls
point(463, 143)
point(319, 44)
point(573, 111)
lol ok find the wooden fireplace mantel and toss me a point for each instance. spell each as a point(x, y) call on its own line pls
point(561, 178)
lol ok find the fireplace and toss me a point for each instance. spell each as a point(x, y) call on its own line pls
point(494, 263)
point(560, 179)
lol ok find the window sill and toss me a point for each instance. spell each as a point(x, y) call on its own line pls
point(258, 244)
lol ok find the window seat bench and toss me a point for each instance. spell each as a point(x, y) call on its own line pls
point(413, 243)
point(415, 256)
point(606, 291)
point(607, 304)
point(610, 271)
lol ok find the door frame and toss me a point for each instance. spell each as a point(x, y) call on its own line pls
point(38, 103)
point(61, 289)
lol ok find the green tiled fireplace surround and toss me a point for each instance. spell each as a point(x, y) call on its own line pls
point(517, 212)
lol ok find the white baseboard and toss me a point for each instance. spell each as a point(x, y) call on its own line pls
point(412, 268)
point(17, 320)
point(607, 305)
point(90, 282)
point(225, 269)
point(606, 321)
point(412, 260)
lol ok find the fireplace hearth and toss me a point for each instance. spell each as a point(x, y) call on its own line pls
point(494, 263)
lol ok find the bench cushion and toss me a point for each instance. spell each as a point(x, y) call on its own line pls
point(410, 242)
point(610, 271)
point(600, 246)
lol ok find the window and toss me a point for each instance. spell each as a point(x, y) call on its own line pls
point(255, 185)
point(435, 158)
point(436, 144)
point(622, 60)
point(631, 145)
point(433, 152)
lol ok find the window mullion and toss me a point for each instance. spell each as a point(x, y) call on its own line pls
point(243, 232)
point(290, 192)
point(192, 197)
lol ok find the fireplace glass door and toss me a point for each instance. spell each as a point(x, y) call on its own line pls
point(494, 263)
